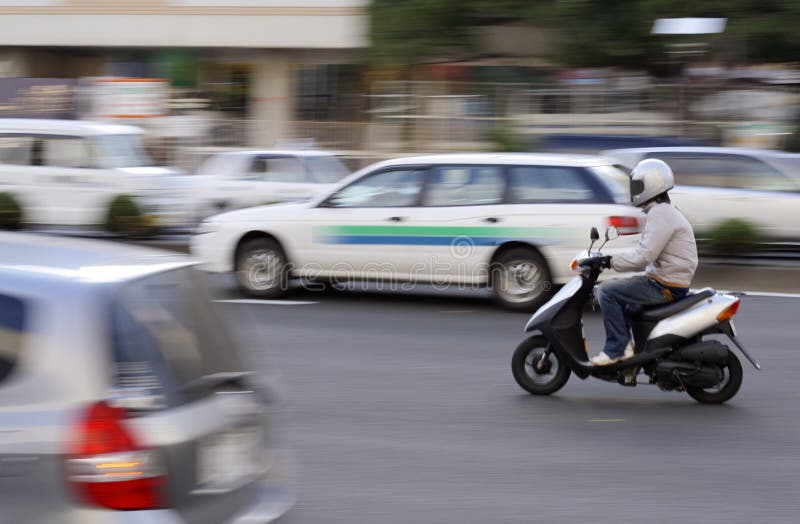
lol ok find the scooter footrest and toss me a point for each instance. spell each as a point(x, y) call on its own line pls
point(637, 360)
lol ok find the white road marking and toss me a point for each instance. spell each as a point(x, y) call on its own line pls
point(268, 302)
point(606, 420)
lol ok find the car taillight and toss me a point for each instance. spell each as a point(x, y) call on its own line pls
point(728, 312)
point(105, 467)
point(624, 225)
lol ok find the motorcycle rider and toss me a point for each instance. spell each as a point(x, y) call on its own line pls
point(667, 252)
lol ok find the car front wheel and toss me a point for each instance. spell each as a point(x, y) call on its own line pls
point(261, 268)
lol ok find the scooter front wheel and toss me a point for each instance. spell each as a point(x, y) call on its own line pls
point(537, 369)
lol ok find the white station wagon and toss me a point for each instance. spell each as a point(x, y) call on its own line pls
point(509, 221)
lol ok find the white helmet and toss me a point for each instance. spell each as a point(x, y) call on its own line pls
point(650, 178)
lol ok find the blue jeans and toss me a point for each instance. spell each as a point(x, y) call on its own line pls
point(618, 295)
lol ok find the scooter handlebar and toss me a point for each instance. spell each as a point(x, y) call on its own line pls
point(601, 262)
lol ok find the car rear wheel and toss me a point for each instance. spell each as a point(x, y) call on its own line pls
point(261, 268)
point(521, 279)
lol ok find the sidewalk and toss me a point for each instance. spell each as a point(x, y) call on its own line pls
point(749, 277)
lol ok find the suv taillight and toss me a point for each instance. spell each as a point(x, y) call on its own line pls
point(105, 467)
point(624, 225)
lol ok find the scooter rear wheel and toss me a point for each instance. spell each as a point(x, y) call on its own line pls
point(534, 375)
point(729, 385)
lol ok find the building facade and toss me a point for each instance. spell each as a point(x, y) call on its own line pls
point(249, 57)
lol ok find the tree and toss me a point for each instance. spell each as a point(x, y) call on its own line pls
point(593, 32)
point(407, 32)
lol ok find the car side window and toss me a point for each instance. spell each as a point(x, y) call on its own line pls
point(464, 186)
point(543, 184)
point(65, 151)
point(12, 329)
point(278, 169)
point(732, 171)
point(691, 171)
point(16, 150)
point(391, 188)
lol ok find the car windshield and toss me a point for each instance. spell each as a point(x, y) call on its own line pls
point(617, 179)
point(166, 334)
point(119, 151)
point(789, 165)
point(326, 169)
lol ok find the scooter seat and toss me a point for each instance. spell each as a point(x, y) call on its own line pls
point(660, 312)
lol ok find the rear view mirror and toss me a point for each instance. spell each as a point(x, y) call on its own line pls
point(612, 233)
point(594, 236)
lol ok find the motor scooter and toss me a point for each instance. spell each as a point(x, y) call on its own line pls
point(672, 348)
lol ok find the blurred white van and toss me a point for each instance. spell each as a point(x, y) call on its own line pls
point(67, 172)
point(238, 179)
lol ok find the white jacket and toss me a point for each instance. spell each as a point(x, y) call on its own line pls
point(667, 250)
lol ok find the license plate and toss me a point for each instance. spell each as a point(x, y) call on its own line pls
point(227, 460)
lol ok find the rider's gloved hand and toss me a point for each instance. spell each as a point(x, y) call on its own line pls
point(605, 262)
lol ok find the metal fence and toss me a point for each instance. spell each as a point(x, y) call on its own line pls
point(415, 117)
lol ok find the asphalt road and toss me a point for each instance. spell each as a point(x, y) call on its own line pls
point(402, 409)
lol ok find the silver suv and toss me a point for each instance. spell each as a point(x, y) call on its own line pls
point(122, 397)
point(716, 184)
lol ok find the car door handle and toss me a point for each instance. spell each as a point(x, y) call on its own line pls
point(491, 220)
point(395, 219)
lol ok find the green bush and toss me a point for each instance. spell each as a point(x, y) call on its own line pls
point(734, 236)
point(10, 212)
point(504, 140)
point(125, 218)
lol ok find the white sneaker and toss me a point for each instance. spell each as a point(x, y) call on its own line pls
point(602, 359)
point(628, 351)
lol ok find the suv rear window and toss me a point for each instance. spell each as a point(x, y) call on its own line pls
point(167, 334)
point(618, 180)
point(12, 328)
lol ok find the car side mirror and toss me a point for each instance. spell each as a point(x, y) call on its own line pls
point(612, 233)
